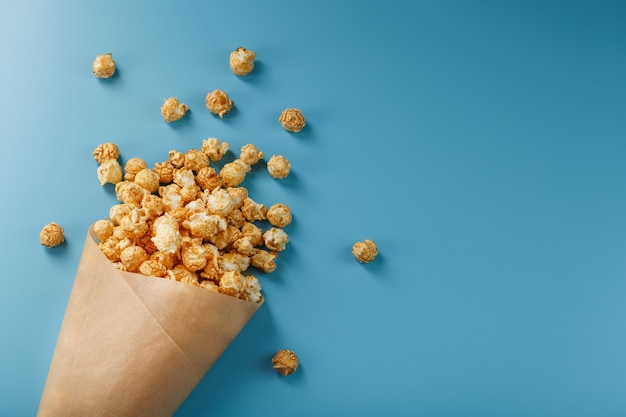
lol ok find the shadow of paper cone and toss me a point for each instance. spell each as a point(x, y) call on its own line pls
point(132, 345)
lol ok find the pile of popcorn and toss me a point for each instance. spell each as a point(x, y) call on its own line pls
point(184, 220)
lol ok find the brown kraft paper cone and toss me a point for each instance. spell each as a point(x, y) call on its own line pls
point(133, 345)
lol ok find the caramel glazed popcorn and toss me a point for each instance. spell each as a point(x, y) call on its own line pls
point(185, 221)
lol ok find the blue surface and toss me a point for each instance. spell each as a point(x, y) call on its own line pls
point(482, 145)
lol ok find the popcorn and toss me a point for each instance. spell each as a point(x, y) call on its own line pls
point(233, 173)
point(365, 251)
point(103, 229)
point(242, 61)
point(110, 172)
point(253, 211)
point(104, 66)
point(275, 239)
point(292, 120)
point(166, 234)
point(185, 221)
point(278, 166)
point(51, 235)
point(279, 215)
point(250, 154)
point(285, 362)
point(233, 283)
point(153, 268)
point(106, 152)
point(214, 149)
point(130, 193)
point(132, 257)
point(219, 103)
point(147, 179)
point(132, 167)
point(173, 110)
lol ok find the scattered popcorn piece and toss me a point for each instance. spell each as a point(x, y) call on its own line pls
point(132, 167)
point(105, 152)
point(195, 160)
point(135, 224)
point(177, 159)
point(253, 233)
point(244, 246)
point(132, 257)
point(165, 170)
point(117, 211)
point(279, 215)
point(285, 362)
point(147, 179)
point(233, 173)
point(167, 236)
point(292, 120)
point(51, 235)
point(130, 193)
point(194, 254)
point(275, 239)
point(182, 274)
point(153, 205)
point(208, 179)
point(278, 166)
point(153, 268)
point(104, 66)
point(365, 251)
point(233, 283)
point(214, 149)
point(233, 261)
point(253, 289)
point(250, 154)
point(242, 61)
point(173, 110)
point(263, 260)
point(103, 229)
point(209, 285)
point(219, 103)
point(109, 172)
point(219, 202)
point(253, 211)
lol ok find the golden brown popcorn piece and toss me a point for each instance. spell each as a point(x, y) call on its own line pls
point(152, 268)
point(214, 149)
point(173, 110)
point(208, 179)
point(203, 225)
point(109, 172)
point(182, 274)
point(105, 152)
point(51, 235)
point(233, 261)
point(263, 260)
point(132, 167)
point(166, 234)
point(148, 179)
point(170, 196)
point(238, 195)
point(209, 285)
point(233, 173)
point(219, 202)
point(168, 260)
point(279, 215)
point(365, 251)
point(153, 205)
point(194, 254)
point(235, 218)
point(219, 103)
point(117, 211)
point(130, 193)
point(250, 154)
point(132, 257)
point(244, 246)
point(285, 362)
point(292, 120)
point(103, 229)
point(233, 283)
point(253, 211)
point(278, 166)
point(104, 66)
point(253, 233)
point(195, 160)
point(275, 239)
point(225, 237)
point(242, 61)
point(135, 224)
point(177, 159)
point(165, 170)
point(253, 289)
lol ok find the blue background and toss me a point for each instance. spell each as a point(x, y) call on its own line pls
point(481, 145)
